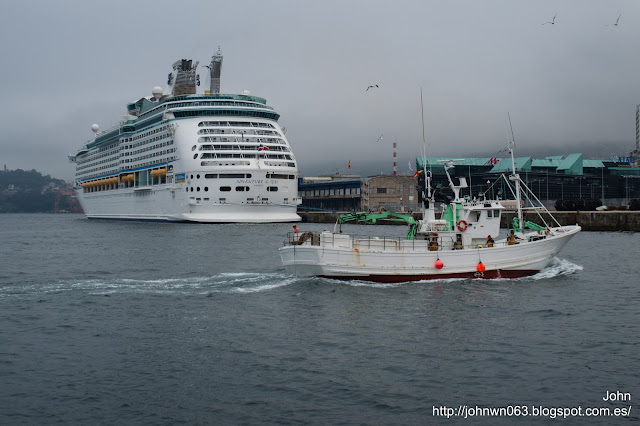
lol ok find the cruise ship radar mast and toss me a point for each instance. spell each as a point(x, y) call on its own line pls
point(215, 68)
point(183, 80)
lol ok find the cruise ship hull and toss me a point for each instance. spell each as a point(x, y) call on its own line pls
point(159, 205)
point(176, 204)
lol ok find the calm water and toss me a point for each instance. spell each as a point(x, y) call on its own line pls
point(126, 322)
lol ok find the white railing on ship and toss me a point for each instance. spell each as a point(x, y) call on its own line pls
point(368, 242)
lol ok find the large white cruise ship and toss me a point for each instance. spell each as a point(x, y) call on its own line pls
point(184, 156)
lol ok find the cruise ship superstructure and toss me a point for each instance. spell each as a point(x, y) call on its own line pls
point(185, 156)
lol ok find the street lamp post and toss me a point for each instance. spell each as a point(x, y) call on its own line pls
point(547, 188)
point(602, 176)
point(580, 180)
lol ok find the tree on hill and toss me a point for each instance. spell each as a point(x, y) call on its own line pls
point(21, 191)
point(27, 179)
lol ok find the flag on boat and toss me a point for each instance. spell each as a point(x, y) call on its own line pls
point(263, 148)
point(417, 173)
point(349, 164)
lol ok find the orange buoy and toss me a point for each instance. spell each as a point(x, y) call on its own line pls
point(439, 264)
point(480, 267)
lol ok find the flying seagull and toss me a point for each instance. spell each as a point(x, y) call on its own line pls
point(553, 21)
point(379, 138)
point(617, 22)
point(371, 87)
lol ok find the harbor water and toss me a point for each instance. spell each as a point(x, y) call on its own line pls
point(156, 323)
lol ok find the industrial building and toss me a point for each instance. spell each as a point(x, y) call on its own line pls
point(614, 183)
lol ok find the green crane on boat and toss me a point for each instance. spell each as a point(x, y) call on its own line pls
point(372, 218)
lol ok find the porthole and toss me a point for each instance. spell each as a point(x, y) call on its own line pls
point(206, 189)
point(195, 156)
point(198, 189)
point(193, 148)
point(225, 188)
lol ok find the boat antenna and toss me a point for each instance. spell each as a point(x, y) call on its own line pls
point(427, 177)
point(513, 139)
point(514, 176)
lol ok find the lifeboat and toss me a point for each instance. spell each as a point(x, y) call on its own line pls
point(158, 173)
point(127, 178)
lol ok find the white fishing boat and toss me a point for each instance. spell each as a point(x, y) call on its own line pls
point(462, 243)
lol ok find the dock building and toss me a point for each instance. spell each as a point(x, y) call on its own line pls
point(568, 177)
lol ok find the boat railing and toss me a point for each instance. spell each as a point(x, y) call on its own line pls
point(302, 238)
point(386, 243)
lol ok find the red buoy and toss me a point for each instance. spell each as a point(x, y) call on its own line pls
point(480, 267)
point(439, 264)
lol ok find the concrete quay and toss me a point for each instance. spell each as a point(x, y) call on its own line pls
point(589, 221)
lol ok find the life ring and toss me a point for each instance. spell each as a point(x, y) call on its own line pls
point(462, 225)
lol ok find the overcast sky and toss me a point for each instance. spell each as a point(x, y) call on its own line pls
point(69, 64)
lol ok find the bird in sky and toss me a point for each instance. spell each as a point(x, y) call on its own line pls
point(617, 22)
point(371, 87)
point(379, 138)
point(553, 21)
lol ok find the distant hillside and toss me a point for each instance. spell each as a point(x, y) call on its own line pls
point(30, 192)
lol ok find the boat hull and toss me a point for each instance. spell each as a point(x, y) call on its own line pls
point(406, 278)
point(388, 260)
point(163, 203)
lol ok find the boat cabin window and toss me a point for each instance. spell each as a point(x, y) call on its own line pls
point(225, 188)
point(489, 213)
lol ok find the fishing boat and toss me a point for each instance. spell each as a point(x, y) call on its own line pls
point(461, 243)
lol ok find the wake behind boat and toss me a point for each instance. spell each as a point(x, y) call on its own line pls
point(460, 244)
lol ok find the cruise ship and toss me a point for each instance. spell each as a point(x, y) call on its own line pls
point(180, 155)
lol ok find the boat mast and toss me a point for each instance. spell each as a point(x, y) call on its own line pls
point(427, 178)
point(514, 176)
point(428, 202)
